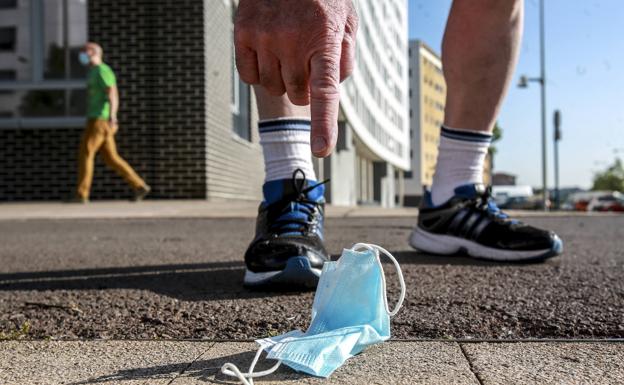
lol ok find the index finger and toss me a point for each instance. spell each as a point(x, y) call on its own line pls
point(324, 100)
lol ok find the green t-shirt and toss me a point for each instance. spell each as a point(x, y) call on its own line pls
point(99, 79)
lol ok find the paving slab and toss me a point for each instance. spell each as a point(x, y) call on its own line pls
point(183, 363)
point(94, 362)
point(390, 363)
point(547, 363)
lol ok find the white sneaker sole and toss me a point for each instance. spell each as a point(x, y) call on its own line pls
point(297, 272)
point(448, 245)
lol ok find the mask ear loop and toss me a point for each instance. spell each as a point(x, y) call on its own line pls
point(229, 369)
point(376, 249)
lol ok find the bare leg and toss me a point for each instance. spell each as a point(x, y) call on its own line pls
point(272, 107)
point(479, 54)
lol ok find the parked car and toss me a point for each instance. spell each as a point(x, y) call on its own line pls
point(522, 203)
point(518, 194)
point(581, 200)
point(612, 202)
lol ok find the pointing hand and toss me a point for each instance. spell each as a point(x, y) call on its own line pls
point(304, 48)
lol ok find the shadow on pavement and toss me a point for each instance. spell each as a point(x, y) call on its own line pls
point(413, 257)
point(190, 282)
point(207, 371)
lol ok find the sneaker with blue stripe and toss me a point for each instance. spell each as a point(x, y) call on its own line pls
point(470, 222)
point(287, 251)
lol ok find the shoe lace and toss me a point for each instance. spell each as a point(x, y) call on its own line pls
point(486, 203)
point(294, 213)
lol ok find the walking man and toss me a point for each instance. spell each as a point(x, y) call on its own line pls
point(296, 53)
point(99, 134)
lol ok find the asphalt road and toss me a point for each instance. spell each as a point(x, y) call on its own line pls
point(181, 278)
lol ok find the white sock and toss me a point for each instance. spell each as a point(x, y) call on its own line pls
point(286, 147)
point(461, 155)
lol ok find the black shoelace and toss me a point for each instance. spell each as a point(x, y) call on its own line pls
point(294, 213)
point(485, 202)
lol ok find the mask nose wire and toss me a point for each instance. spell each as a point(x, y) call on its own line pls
point(376, 249)
point(229, 369)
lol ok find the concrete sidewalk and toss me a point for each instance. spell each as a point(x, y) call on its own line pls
point(170, 209)
point(397, 362)
point(201, 209)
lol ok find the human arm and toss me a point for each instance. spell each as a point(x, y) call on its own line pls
point(113, 98)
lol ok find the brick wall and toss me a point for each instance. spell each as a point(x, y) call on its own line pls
point(156, 50)
point(38, 164)
point(173, 63)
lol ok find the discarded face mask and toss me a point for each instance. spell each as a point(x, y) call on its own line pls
point(350, 312)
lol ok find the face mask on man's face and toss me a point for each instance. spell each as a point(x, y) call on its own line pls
point(84, 58)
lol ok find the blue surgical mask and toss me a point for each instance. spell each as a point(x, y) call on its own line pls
point(350, 312)
point(83, 58)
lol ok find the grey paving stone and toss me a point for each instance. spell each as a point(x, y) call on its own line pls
point(95, 362)
point(388, 363)
point(547, 363)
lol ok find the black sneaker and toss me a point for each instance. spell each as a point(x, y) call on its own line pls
point(288, 249)
point(471, 222)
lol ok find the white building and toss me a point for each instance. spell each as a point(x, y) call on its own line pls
point(427, 97)
point(373, 145)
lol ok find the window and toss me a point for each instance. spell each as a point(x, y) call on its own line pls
point(240, 98)
point(341, 143)
point(8, 4)
point(7, 39)
point(7, 74)
point(41, 81)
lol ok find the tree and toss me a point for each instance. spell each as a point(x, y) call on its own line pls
point(497, 133)
point(611, 179)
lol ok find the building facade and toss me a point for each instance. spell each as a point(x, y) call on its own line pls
point(427, 96)
point(503, 179)
point(373, 148)
point(187, 123)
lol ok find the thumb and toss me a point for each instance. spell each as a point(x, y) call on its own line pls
point(324, 100)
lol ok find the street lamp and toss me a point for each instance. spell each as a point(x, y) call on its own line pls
point(557, 138)
point(523, 82)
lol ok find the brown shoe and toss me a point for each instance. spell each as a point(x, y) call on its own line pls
point(77, 199)
point(141, 192)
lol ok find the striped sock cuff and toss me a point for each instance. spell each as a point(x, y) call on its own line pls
point(273, 125)
point(466, 135)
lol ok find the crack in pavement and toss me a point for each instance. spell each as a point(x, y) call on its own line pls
point(472, 370)
point(181, 372)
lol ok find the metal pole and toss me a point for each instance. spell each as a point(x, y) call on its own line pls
point(556, 148)
point(543, 97)
point(66, 55)
point(557, 138)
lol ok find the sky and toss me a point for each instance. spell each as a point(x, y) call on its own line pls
point(585, 81)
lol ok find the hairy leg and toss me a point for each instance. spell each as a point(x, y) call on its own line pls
point(272, 107)
point(479, 54)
